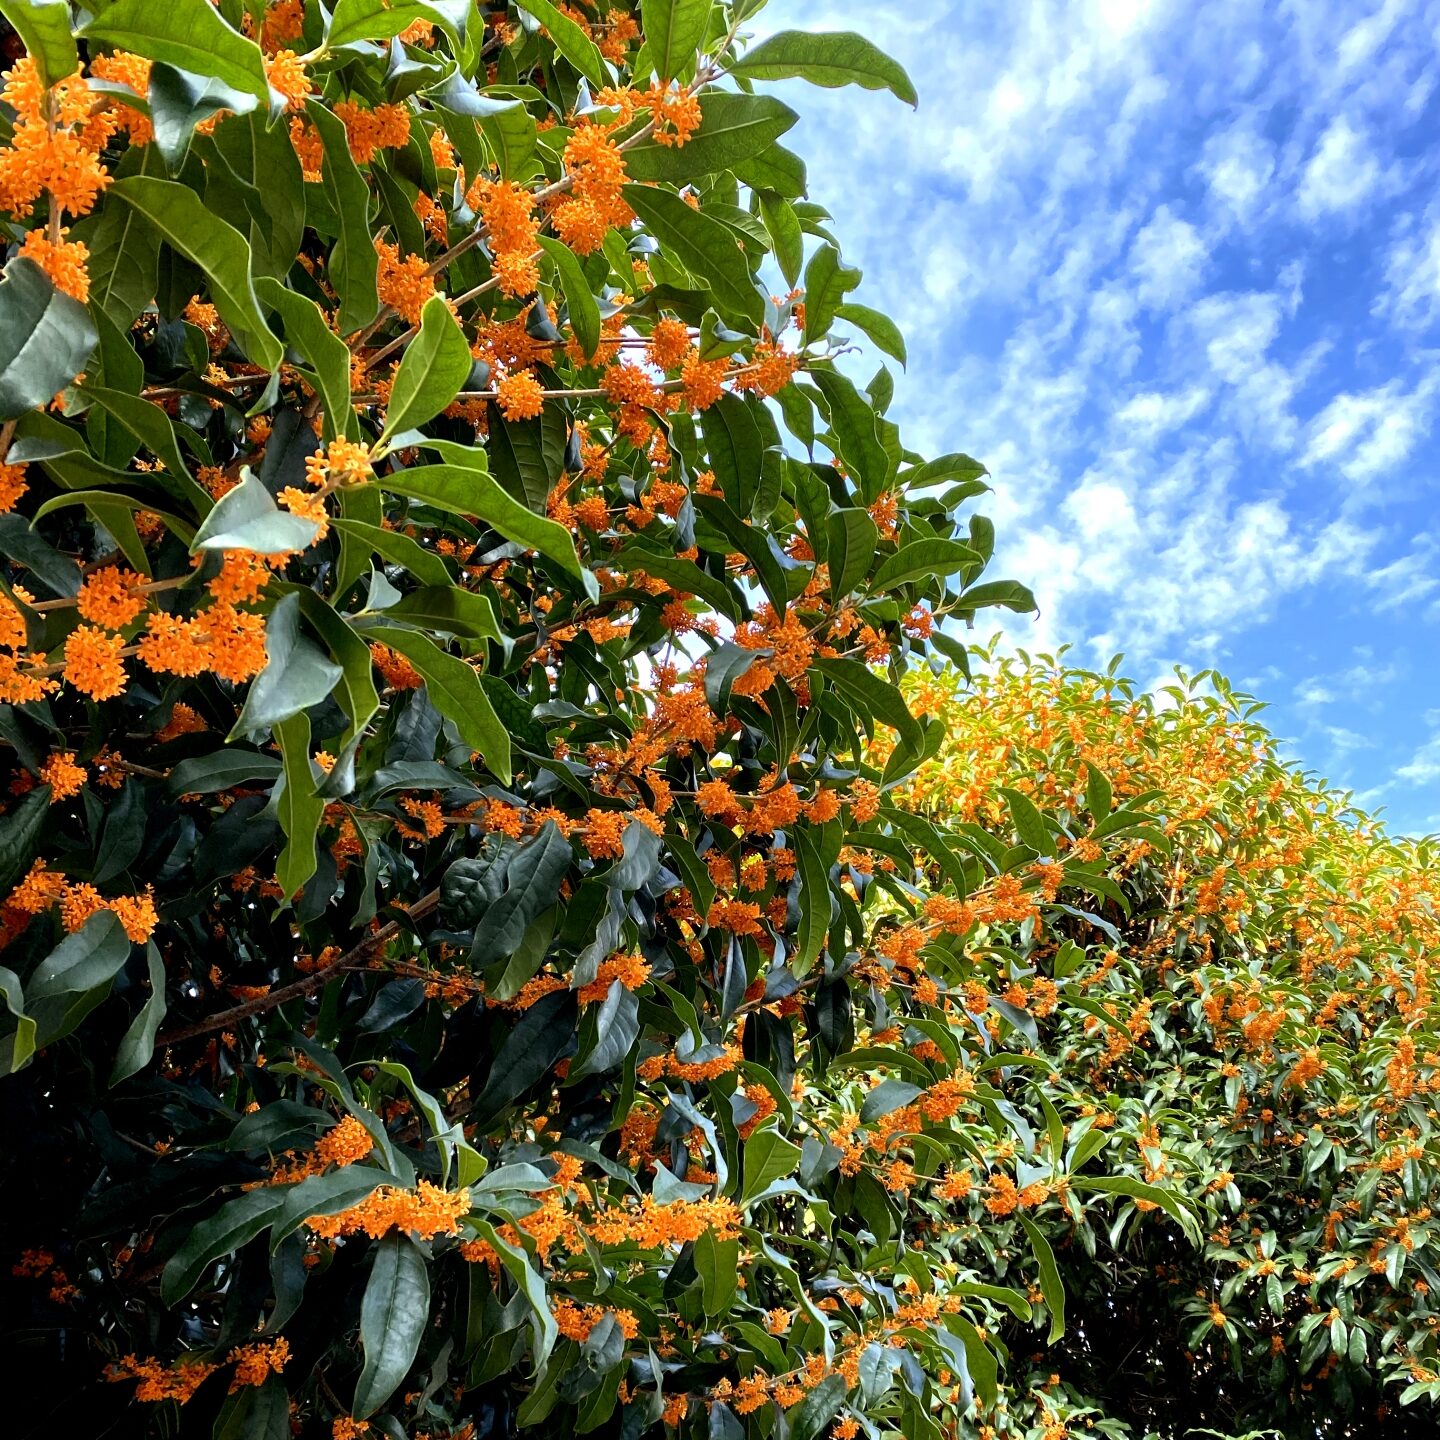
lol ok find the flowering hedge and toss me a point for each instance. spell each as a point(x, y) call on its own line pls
point(449, 593)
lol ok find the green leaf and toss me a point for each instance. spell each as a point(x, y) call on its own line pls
point(735, 448)
point(674, 30)
point(450, 609)
point(124, 247)
point(22, 1042)
point(234, 1224)
point(44, 29)
point(827, 281)
point(511, 133)
point(831, 60)
point(300, 807)
point(393, 1317)
point(400, 549)
point(138, 1043)
point(718, 1262)
point(579, 298)
point(532, 882)
point(851, 538)
point(786, 236)
point(1167, 1200)
point(887, 1096)
point(297, 673)
point(1029, 823)
point(819, 1407)
point(607, 1033)
point(220, 250)
point(45, 338)
point(19, 834)
point(355, 20)
point(532, 1286)
point(880, 328)
point(769, 1157)
point(220, 770)
point(331, 1193)
point(1098, 795)
point(751, 543)
point(1051, 1286)
point(704, 246)
point(873, 696)
point(815, 904)
point(188, 34)
point(984, 1367)
point(922, 558)
point(455, 690)
point(463, 485)
point(246, 518)
point(733, 129)
point(353, 261)
point(435, 365)
point(723, 667)
point(256, 1412)
point(179, 101)
point(852, 423)
point(328, 354)
point(570, 40)
point(683, 576)
point(1009, 593)
point(88, 958)
point(152, 427)
point(526, 456)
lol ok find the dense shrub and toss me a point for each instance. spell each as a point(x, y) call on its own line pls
point(509, 921)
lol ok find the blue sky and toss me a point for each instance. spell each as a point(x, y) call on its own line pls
point(1171, 269)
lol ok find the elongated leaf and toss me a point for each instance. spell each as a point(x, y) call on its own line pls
point(734, 129)
point(1009, 593)
point(22, 1042)
point(704, 246)
point(853, 424)
point(179, 215)
point(1051, 1286)
point(138, 1044)
point(90, 957)
point(179, 101)
point(220, 770)
point(579, 298)
point(393, 1316)
point(888, 1095)
point(607, 1031)
point(570, 40)
point(45, 338)
point(246, 518)
point(450, 609)
point(674, 31)
point(874, 697)
point(1029, 823)
point(830, 60)
point(879, 327)
point(455, 690)
point(19, 834)
point(751, 543)
point(297, 673)
point(44, 27)
point(827, 281)
point(236, 1223)
point(851, 537)
point(300, 807)
point(769, 1157)
point(188, 34)
point(814, 905)
point(355, 20)
point(435, 365)
point(353, 261)
point(329, 356)
point(425, 565)
point(1167, 1200)
point(921, 558)
point(819, 1407)
point(464, 486)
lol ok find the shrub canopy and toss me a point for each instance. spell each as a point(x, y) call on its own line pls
point(492, 938)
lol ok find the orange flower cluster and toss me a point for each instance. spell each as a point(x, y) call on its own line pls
point(62, 260)
point(653, 1226)
point(226, 641)
point(596, 169)
point(575, 1322)
point(386, 127)
point(346, 1143)
point(402, 284)
point(519, 396)
point(55, 153)
point(425, 1212)
point(507, 211)
point(156, 1382)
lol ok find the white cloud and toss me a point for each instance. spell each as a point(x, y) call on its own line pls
point(1412, 273)
point(1167, 259)
point(1238, 165)
point(1342, 173)
point(1423, 767)
point(1364, 435)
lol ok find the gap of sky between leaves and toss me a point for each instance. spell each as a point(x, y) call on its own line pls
point(1171, 269)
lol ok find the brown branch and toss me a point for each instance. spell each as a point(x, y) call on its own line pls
point(352, 958)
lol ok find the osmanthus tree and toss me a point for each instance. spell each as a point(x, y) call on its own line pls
point(452, 979)
point(1244, 1014)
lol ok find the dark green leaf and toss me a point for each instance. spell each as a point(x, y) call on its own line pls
point(220, 250)
point(733, 129)
point(353, 261)
point(674, 30)
point(138, 1042)
point(44, 28)
point(704, 246)
point(435, 365)
point(579, 298)
point(851, 538)
point(879, 327)
point(235, 1224)
point(827, 281)
point(830, 60)
point(873, 696)
point(393, 1316)
point(45, 338)
point(297, 673)
point(300, 807)
point(1051, 1286)
point(922, 558)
